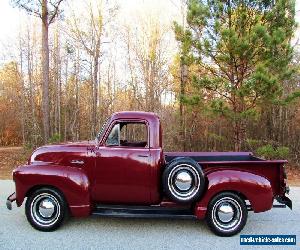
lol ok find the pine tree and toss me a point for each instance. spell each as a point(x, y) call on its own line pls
point(243, 52)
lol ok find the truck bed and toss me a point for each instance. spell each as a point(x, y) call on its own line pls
point(244, 161)
point(215, 157)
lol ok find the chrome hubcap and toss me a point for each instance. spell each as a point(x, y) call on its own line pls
point(183, 180)
point(45, 209)
point(227, 214)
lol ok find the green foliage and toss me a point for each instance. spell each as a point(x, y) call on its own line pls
point(55, 138)
point(270, 152)
point(190, 100)
point(243, 51)
point(185, 36)
point(283, 152)
point(266, 151)
point(28, 146)
point(253, 143)
point(290, 98)
point(216, 137)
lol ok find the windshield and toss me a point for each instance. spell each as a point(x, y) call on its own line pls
point(100, 134)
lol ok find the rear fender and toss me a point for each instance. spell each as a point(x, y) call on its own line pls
point(255, 188)
point(71, 181)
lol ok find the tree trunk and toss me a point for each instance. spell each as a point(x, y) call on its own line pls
point(65, 108)
point(95, 90)
point(34, 129)
point(57, 81)
point(183, 79)
point(45, 69)
point(22, 95)
point(151, 86)
point(77, 73)
point(239, 134)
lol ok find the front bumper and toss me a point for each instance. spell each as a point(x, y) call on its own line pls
point(285, 201)
point(10, 200)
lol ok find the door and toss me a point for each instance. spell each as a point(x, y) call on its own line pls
point(122, 169)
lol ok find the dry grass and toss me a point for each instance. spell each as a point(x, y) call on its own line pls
point(293, 174)
point(10, 158)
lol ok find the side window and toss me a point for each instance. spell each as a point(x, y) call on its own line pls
point(133, 134)
point(114, 137)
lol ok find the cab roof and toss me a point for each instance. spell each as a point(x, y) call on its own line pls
point(135, 115)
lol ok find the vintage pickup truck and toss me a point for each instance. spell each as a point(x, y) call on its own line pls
point(124, 172)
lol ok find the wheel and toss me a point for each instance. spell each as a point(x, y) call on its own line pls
point(46, 209)
point(227, 214)
point(183, 180)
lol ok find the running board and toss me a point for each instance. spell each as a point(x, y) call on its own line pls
point(142, 212)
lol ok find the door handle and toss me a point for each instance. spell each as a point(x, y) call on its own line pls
point(144, 156)
point(77, 162)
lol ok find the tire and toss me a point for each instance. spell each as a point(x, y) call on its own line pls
point(183, 180)
point(46, 209)
point(227, 214)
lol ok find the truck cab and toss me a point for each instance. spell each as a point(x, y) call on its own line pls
point(131, 148)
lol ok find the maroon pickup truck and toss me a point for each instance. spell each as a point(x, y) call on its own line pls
point(125, 173)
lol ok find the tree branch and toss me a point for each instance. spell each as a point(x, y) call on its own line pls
point(55, 11)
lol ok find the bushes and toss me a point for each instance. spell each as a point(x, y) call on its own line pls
point(55, 138)
point(268, 149)
point(270, 152)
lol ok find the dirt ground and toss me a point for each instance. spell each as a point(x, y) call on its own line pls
point(293, 174)
point(11, 157)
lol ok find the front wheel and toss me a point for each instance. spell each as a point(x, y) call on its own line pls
point(227, 214)
point(46, 209)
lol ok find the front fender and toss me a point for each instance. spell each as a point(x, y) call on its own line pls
point(255, 188)
point(71, 181)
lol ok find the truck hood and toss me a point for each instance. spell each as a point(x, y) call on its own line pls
point(67, 154)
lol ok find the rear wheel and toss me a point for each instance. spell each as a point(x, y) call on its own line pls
point(46, 209)
point(183, 180)
point(227, 214)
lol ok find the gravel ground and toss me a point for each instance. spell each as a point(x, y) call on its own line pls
point(113, 233)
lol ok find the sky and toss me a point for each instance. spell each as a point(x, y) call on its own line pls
point(11, 18)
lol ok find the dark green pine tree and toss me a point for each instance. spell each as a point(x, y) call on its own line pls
point(243, 51)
